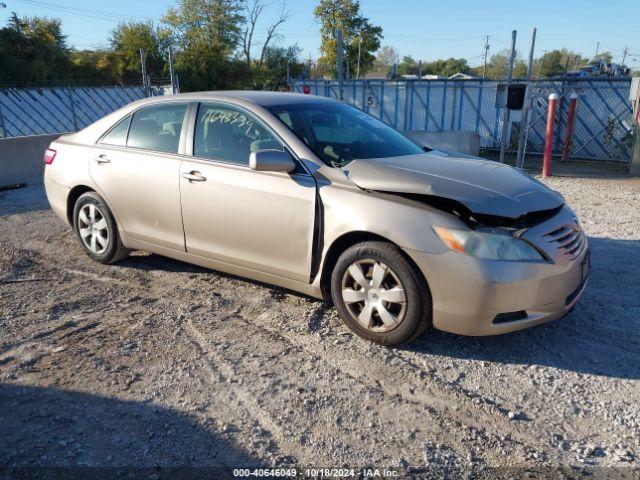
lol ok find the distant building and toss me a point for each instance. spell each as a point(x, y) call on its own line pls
point(376, 75)
point(463, 76)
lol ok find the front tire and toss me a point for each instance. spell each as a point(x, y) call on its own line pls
point(96, 229)
point(379, 294)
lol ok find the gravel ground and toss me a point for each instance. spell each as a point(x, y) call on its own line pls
point(155, 363)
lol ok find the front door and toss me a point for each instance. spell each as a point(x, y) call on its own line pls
point(137, 168)
point(259, 220)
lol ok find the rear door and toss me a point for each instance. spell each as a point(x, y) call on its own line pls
point(136, 165)
point(258, 220)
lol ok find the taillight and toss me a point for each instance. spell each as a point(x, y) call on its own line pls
point(49, 156)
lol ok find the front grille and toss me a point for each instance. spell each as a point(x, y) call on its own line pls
point(569, 240)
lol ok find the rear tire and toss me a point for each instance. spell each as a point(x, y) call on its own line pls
point(379, 293)
point(95, 227)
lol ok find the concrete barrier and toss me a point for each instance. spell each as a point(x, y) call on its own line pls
point(458, 140)
point(21, 158)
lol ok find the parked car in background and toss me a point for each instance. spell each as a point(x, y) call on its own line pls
point(318, 197)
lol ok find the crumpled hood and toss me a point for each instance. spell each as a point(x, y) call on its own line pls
point(484, 187)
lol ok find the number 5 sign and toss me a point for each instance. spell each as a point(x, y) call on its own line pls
point(371, 97)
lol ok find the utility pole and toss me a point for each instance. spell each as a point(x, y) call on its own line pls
point(507, 113)
point(486, 51)
point(624, 55)
point(143, 63)
point(340, 75)
point(171, 71)
point(597, 50)
point(524, 124)
point(359, 50)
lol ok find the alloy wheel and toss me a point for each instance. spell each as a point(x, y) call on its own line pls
point(374, 295)
point(93, 228)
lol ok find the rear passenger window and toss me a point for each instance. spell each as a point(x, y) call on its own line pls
point(157, 127)
point(229, 135)
point(118, 134)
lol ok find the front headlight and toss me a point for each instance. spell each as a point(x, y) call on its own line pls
point(491, 244)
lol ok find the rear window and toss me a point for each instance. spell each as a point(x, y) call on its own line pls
point(118, 134)
point(157, 127)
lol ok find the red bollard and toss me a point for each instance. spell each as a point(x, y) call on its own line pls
point(573, 103)
point(548, 146)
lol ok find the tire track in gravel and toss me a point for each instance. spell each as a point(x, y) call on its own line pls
point(223, 371)
point(437, 402)
point(390, 374)
point(309, 404)
point(459, 412)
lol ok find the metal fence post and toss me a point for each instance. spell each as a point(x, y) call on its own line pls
point(634, 167)
point(172, 71)
point(454, 100)
point(524, 124)
point(573, 103)
point(507, 113)
point(548, 146)
point(340, 79)
point(73, 108)
point(143, 63)
point(3, 131)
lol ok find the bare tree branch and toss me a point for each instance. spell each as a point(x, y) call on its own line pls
point(271, 31)
point(254, 10)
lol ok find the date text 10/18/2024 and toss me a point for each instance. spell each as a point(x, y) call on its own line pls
point(316, 472)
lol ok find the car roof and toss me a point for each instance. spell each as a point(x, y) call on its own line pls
point(262, 98)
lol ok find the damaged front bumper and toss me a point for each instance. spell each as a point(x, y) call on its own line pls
point(472, 296)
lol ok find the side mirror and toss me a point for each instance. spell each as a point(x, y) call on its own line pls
point(271, 161)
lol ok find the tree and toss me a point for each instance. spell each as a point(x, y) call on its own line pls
point(385, 58)
point(273, 75)
point(360, 37)
point(606, 56)
point(446, 68)
point(498, 66)
point(210, 23)
point(208, 33)
point(408, 66)
point(556, 62)
point(126, 41)
point(94, 65)
point(33, 49)
point(253, 12)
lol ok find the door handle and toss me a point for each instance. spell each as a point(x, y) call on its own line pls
point(194, 176)
point(102, 159)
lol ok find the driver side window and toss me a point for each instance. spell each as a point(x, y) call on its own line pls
point(229, 135)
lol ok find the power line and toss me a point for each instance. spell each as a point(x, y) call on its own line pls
point(85, 12)
point(410, 37)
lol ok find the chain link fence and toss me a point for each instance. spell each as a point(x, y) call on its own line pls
point(603, 128)
point(38, 111)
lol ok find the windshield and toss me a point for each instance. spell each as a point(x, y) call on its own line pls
point(338, 133)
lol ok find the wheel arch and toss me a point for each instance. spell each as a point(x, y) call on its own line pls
point(72, 198)
point(347, 240)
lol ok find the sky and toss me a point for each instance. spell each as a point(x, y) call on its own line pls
point(424, 29)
